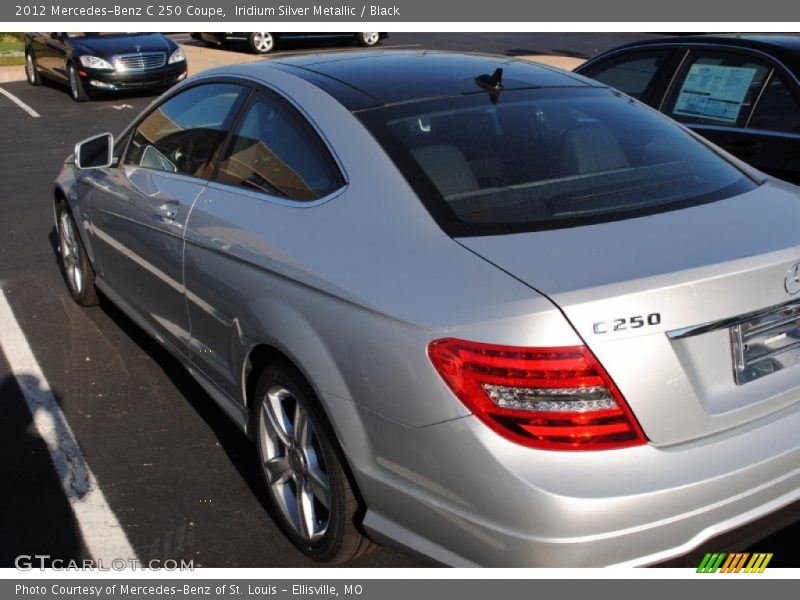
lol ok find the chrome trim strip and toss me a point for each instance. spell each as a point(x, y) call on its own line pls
point(769, 326)
point(779, 351)
point(767, 80)
point(672, 80)
point(141, 61)
point(678, 334)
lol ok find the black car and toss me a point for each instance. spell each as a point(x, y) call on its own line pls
point(740, 91)
point(263, 42)
point(104, 62)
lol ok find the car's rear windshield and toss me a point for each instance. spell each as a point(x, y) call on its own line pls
point(527, 160)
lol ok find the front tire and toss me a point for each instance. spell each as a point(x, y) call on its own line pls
point(76, 89)
point(261, 42)
point(311, 494)
point(368, 39)
point(78, 271)
point(31, 70)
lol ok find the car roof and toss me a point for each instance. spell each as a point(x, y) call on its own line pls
point(368, 79)
point(784, 47)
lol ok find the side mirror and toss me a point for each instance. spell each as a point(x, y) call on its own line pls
point(95, 152)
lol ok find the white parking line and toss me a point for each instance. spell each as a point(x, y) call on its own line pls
point(19, 103)
point(104, 537)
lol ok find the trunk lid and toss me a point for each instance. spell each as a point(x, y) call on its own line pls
point(632, 288)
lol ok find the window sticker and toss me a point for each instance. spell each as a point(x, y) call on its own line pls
point(714, 92)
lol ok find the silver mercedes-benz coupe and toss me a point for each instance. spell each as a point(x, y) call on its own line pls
point(487, 311)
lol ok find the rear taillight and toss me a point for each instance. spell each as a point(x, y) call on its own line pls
point(551, 398)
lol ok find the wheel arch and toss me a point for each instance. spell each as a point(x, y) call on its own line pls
point(258, 358)
point(60, 194)
point(262, 355)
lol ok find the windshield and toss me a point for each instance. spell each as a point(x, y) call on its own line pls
point(548, 158)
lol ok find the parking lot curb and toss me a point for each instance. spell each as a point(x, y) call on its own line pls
point(9, 74)
point(568, 63)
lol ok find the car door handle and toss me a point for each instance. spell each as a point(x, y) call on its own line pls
point(167, 212)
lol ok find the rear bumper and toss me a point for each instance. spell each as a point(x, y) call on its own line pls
point(459, 494)
point(112, 81)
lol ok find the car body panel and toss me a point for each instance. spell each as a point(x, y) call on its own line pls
point(141, 256)
point(629, 507)
point(301, 296)
point(703, 264)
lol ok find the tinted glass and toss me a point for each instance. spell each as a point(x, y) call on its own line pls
point(275, 151)
point(631, 74)
point(778, 109)
point(180, 135)
point(716, 88)
point(545, 159)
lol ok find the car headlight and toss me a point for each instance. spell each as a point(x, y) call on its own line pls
point(95, 62)
point(177, 56)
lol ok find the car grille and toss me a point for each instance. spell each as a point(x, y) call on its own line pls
point(140, 62)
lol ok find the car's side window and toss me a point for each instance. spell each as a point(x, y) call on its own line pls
point(181, 134)
point(716, 88)
point(777, 109)
point(274, 150)
point(631, 74)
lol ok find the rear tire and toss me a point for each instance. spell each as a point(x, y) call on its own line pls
point(78, 271)
point(304, 469)
point(31, 70)
point(76, 89)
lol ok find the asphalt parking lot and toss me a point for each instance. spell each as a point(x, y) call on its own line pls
point(180, 478)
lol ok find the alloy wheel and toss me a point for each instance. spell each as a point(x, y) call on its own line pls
point(73, 82)
point(70, 253)
point(293, 463)
point(30, 72)
point(263, 41)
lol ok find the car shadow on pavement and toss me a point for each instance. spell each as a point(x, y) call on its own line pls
point(236, 445)
point(35, 516)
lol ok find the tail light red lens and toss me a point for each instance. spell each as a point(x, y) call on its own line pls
point(550, 398)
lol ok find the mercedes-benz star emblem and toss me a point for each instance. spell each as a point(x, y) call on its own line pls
point(792, 282)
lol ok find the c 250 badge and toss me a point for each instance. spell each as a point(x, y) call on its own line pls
point(626, 323)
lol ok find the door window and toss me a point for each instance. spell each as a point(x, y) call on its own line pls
point(716, 88)
point(275, 151)
point(630, 74)
point(777, 109)
point(180, 136)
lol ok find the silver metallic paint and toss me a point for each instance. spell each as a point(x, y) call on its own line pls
point(352, 290)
